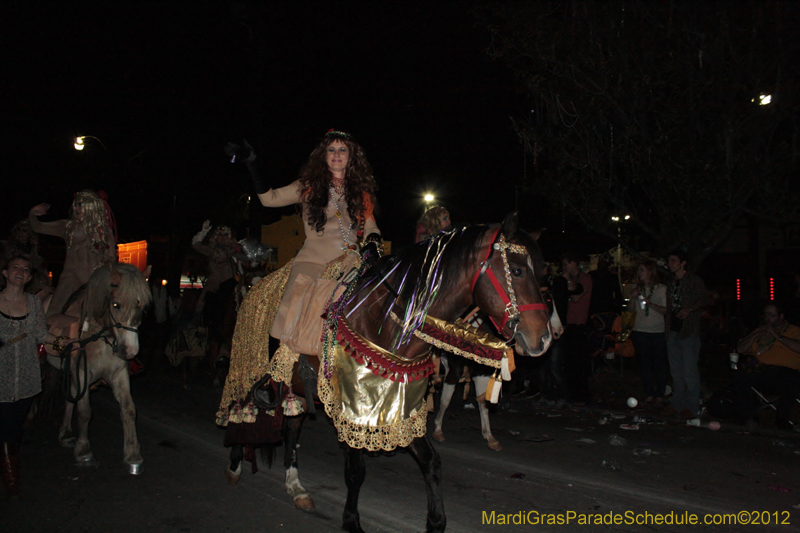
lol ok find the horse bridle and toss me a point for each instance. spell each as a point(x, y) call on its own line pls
point(512, 310)
point(81, 357)
point(116, 324)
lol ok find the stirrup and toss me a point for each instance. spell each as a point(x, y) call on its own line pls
point(263, 394)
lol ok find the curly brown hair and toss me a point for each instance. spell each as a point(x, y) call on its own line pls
point(316, 178)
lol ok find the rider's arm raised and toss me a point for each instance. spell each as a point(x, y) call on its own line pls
point(281, 197)
point(57, 228)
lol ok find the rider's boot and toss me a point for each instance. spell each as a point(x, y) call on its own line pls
point(9, 465)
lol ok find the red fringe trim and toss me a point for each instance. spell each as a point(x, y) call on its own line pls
point(381, 365)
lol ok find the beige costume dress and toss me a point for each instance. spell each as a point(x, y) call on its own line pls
point(267, 303)
point(320, 248)
point(84, 255)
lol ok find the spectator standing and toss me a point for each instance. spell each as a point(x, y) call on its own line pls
point(686, 299)
point(576, 334)
point(648, 300)
point(606, 292)
point(22, 329)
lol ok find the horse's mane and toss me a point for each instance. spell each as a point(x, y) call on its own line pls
point(416, 276)
point(132, 289)
point(457, 248)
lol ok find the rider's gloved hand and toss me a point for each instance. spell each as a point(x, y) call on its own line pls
point(241, 153)
point(244, 153)
point(372, 249)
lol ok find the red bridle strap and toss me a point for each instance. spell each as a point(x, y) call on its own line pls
point(500, 290)
point(485, 262)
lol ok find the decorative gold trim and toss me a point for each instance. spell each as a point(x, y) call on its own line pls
point(250, 344)
point(465, 331)
point(366, 436)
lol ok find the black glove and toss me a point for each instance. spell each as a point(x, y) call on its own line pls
point(372, 249)
point(244, 154)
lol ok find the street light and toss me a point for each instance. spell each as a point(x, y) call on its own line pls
point(80, 144)
point(429, 198)
point(617, 220)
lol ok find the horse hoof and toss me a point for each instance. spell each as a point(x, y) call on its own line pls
point(438, 436)
point(85, 461)
point(233, 476)
point(304, 502)
point(68, 442)
point(134, 469)
point(495, 445)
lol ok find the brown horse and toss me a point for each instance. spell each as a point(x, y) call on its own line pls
point(111, 313)
point(497, 268)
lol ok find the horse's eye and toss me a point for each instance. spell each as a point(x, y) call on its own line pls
point(115, 305)
point(517, 272)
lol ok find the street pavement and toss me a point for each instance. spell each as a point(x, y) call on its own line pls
point(569, 464)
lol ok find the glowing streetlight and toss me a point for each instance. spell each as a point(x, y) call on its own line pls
point(429, 198)
point(763, 99)
point(617, 219)
point(80, 143)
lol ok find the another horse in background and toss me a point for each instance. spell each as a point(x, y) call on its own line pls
point(115, 298)
point(497, 268)
point(453, 372)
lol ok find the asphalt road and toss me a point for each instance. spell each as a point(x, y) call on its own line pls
point(554, 462)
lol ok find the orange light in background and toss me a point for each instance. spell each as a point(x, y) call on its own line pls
point(163, 282)
point(738, 289)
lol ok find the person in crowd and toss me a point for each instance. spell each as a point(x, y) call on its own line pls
point(554, 372)
point(90, 234)
point(24, 241)
point(336, 196)
point(432, 222)
point(576, 332)
point(606, 291)
point(648, 299)
point(793, 304)
point(220, 248)
point(686, 299)
point(22, 330)
point(773, 369)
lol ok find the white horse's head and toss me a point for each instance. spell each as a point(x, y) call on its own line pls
point(115, 300)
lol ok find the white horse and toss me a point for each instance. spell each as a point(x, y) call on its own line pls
point(481, 381)
point(111, 313)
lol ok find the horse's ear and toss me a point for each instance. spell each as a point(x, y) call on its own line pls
point(116, 277)
point(147, 272)
point(510, 224)
point(536, 234)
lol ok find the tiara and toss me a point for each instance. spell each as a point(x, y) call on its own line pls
point(333, 133)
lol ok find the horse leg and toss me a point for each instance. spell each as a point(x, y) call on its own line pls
point(447, 395)
point(234, 472)
point(354, 473)
point(431, 465)
point(121, 386)
point(291, 434)
point(83, 452)
point(448, 389)
point(481, 383)
point(65, 436)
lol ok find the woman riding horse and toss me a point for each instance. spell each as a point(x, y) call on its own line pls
point(90, 233)
point(336, 195)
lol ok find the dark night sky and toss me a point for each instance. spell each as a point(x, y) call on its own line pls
point(165, 85)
